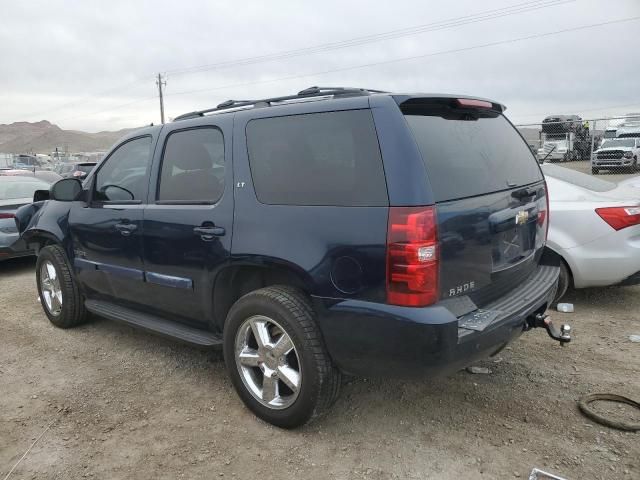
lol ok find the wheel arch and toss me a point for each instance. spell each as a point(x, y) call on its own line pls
point(566, 263)
point(41, 238)
point(239, 279)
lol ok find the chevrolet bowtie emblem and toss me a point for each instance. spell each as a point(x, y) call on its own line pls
point(521, 217)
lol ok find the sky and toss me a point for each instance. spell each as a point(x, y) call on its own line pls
point(91, 65)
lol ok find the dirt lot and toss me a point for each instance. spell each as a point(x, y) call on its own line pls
point(137, 406)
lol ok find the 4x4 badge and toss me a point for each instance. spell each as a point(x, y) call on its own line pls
point(521, 217)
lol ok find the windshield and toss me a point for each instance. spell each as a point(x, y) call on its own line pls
point(10, 190)
point(619, 142)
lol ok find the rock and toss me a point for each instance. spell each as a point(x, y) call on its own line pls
point(634, 338)
point(479, 370)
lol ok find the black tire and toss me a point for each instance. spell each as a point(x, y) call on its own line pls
point(564, 282)
point(72, 312)
point(595, 171)
point(292, 310)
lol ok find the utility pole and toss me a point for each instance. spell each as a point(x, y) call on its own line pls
point(160, 82)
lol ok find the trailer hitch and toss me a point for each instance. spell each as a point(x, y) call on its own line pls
point(542, 320)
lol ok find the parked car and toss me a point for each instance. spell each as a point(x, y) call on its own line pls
point(595, 226)
point(633, 182)
point(302, 235)
point(15, 191)
point(78, 170)
point(46, 175)
point(617, 153)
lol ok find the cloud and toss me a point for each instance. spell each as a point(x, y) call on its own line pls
point(90, 65)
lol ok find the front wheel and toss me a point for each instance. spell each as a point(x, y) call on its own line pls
point(276, 357)
point(59, 294)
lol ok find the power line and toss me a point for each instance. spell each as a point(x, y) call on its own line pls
point(440, 25)
point(87, 98)
point(415, 30)
point(414, 57)
point(144, 99)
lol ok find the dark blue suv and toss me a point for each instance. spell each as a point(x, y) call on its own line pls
point(333, 231)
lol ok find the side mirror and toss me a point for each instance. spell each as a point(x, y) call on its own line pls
point(40, 195)
point(66, 190)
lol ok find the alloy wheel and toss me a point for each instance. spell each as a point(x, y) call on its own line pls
point(268, 362)
point(50, 288)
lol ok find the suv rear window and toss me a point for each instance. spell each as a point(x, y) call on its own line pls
point(467, 155)
point(329, 158)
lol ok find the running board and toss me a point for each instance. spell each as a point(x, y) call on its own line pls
point(152, 323)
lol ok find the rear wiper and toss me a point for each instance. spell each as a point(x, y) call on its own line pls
point(524, 193)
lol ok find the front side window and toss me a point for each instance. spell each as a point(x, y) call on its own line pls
point(193, 166)
point(124, 176)
point(329, 158)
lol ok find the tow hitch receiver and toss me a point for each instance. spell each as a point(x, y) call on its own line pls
point(542, 320)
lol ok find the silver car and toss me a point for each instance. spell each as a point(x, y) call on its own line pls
point(595, 228)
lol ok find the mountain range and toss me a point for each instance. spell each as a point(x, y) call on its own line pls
point(45, 137)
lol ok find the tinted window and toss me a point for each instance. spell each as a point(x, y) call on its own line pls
point(124, 175)
point(317, 159)
point(472, 155)
point(193, 166)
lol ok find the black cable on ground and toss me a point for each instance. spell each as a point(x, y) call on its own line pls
point(585, 408)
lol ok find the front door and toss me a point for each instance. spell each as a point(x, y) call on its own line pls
point(107, 230)
point(188, 220)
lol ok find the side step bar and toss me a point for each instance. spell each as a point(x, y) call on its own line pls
point(151, 323)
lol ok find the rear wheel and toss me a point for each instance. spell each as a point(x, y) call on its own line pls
point(564, 282)
point(276, 357)
point(59, 294)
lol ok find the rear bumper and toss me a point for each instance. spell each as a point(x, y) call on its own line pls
point(372, 339)
point(12, 246)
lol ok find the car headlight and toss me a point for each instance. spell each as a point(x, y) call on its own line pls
point(628, 154)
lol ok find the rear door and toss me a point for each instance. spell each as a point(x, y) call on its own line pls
point(189, 217)
point(490, 197)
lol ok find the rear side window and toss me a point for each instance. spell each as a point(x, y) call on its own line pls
point(329, 158)
point(193, 166)
point(468, 155)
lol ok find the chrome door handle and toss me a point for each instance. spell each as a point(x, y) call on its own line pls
point(126, 229)
point(209, 232)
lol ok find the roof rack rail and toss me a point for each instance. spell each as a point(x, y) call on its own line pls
point(267, 102)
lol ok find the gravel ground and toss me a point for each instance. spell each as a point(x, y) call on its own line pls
point(124, 404)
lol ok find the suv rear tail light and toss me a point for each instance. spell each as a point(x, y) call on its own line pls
point(412, 256)
point(620, 217)
point(7, 215)
point(543, 215)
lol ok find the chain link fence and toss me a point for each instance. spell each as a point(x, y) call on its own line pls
point(597, 146)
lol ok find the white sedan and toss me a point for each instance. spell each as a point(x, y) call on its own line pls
point(595, 228)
